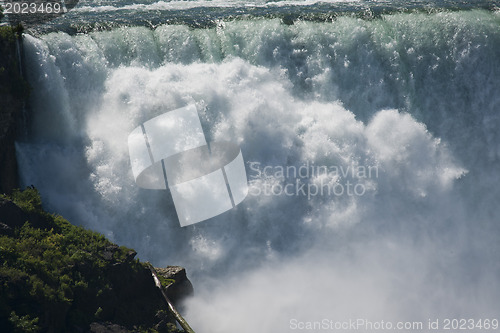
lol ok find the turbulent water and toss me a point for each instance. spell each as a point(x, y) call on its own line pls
point(403, 105)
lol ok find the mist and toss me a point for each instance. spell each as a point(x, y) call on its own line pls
point(414, 241)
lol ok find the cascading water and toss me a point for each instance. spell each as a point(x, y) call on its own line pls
point(402, 110)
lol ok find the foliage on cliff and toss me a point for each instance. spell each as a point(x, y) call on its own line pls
point(56, 277)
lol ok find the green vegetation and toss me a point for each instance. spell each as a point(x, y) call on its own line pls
point(57, 277)
point(165, 282)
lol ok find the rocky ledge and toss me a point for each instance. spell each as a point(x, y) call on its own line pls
point(56, 277)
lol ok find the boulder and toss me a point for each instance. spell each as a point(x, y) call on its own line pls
point(181, 288)
point(11, 215)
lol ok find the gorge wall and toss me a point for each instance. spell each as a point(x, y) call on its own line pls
point(14, 91)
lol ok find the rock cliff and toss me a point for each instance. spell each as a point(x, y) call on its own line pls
point(13, 92)
point(57, 277)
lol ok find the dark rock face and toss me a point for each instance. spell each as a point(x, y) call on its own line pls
point(8, 165)
point(13, 93)
point(11, 216)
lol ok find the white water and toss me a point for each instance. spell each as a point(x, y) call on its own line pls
point(413, 96)
point(181, 5)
